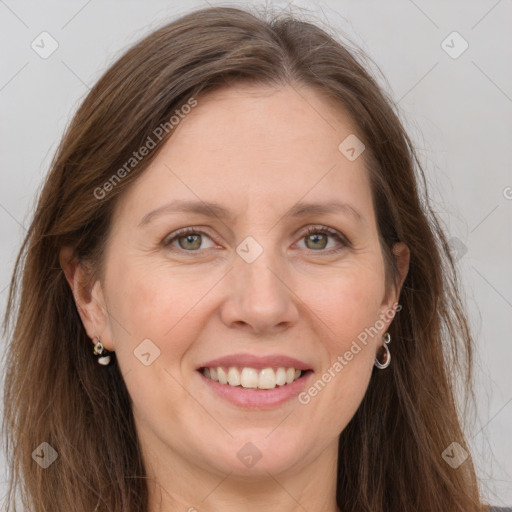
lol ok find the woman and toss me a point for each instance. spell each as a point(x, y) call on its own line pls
point(234, 294)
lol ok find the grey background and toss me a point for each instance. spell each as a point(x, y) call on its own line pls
point(458, 111)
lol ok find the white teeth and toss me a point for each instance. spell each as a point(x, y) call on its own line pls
point(267, 378)
point(221, 375)
point(248, 377)
point(281, 377)
point(233, 377)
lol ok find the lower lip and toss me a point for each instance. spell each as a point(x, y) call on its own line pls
point(251, 398)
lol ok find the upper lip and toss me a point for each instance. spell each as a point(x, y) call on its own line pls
point(257, 362)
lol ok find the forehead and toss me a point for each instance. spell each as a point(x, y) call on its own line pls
point(256, 146)
point(255, 115)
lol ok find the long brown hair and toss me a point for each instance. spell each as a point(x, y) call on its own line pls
point(390, 454)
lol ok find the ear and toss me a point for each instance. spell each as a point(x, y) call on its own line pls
point(89, 297)
point(401, 254)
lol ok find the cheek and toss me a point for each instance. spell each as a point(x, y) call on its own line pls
point(348, 306)
point(160, 314)
point(151, 302)
point(348, 302)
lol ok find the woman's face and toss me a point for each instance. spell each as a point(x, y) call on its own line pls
point(262, 281)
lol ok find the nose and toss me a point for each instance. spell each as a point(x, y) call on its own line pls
point(259, 296)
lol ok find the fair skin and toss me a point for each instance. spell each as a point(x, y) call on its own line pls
point(256, 152)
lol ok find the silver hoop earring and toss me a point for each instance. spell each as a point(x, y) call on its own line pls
point(102, 354)
point(385, 362)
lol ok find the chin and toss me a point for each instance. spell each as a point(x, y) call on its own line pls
point(257, 454)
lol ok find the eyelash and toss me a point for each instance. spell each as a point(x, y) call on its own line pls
point(344, 242)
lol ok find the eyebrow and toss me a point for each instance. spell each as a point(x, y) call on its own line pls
point(210, 209)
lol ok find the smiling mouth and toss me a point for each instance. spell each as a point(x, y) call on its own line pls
point(252, 378)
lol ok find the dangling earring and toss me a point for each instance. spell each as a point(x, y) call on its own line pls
point(384, 363)
point(102, 354)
